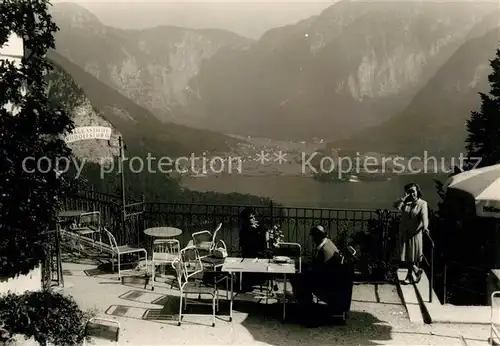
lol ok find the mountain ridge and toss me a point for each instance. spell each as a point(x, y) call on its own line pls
point(168, 56)
point(139, 127)
point(429, 112)
point(352, 67)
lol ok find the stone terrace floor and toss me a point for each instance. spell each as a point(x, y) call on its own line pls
point(377, 317)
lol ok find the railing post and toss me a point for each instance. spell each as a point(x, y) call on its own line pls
point(60, 277)
point(143, 215)
point(431, 281)
point(122, 183)
point(383, 222)
point(271, 211)
point(444, 285)
point(143, 211)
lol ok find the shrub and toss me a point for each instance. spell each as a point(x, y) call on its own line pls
point(46, 316)
point(374, 259)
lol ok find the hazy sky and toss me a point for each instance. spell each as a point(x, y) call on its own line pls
point(247, 18)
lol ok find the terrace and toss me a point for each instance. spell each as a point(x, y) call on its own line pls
point(378, 314)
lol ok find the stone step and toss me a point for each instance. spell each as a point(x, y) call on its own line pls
point(435, 312)
point(459, 314)
point(423, 289)
point(410, 299)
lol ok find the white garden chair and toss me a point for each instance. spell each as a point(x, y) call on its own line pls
point(206, 242)
point(165, 251)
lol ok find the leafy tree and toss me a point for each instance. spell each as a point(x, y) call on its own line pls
point(29, 195)
point(483, 140)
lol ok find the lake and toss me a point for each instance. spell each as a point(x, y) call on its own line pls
point(306, 192)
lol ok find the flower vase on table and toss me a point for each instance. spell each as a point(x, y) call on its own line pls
point(275, 237)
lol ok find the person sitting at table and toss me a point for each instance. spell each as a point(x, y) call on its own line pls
point(254, 240)
point(317, 278)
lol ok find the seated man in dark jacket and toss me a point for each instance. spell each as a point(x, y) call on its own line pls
point(319, 278)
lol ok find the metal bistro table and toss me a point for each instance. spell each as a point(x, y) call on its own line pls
point(256, 265)
point(163, 232)
point(71, 213)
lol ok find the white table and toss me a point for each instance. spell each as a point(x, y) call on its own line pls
point(256, 265)
point(163, 232)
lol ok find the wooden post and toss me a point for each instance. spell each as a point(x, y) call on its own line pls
point(271, 212)
point(59, 256)
point(122, 183)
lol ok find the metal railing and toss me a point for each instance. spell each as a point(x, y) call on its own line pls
point(344, 226)
point(294, 222)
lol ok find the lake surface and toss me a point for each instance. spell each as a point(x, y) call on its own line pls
point(307, 192)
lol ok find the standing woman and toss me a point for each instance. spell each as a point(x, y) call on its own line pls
point(414, 221)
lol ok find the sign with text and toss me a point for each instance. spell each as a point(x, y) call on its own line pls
point(89, 132)
point(488, 208)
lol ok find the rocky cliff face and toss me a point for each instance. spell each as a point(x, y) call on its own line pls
point(63, 91)
point(152, 67)
point(435, 119)
point(143, 133)
point(354, 65)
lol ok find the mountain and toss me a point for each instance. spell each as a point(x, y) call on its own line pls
point(142, 131)
point(152, 67)
point(435, 119)
point(68, 85)
point(353, 66)
point(64, 93)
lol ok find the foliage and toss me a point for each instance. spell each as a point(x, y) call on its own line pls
point(276, 236)
point(483, 139)
point(62, 91)
point(29, 196)
point(46, 316)
point(159, 188)
point(374, 258)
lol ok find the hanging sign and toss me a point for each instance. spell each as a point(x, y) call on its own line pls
point(89, 132)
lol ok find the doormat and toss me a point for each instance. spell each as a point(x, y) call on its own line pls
point(145, 297)
point(96, 271)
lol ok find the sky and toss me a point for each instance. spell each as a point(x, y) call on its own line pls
point(250, 18)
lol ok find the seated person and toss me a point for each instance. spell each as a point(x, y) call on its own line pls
point(319, 278)
point(254, 241)
point(254, 238)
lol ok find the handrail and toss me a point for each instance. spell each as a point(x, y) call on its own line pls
point(134, 204)
point(430, 264)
